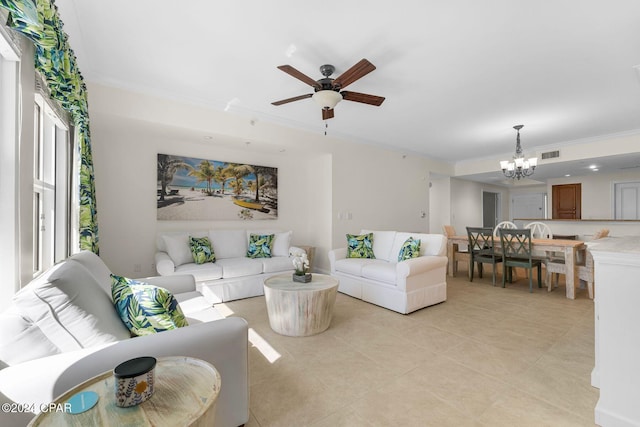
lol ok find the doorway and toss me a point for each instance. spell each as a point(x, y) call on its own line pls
point(566, 201)
point(529, 206)
point(490, 209)
point(627, 200)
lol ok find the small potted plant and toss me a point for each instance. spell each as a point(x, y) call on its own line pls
point(301, 265)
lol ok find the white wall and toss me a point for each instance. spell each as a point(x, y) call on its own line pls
point(377, 189)
point(466, 203)
point(319, 176)
point(439, 203)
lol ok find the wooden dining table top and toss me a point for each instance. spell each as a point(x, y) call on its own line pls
point(535, 242)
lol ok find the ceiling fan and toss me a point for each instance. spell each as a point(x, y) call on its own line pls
point(328, 92)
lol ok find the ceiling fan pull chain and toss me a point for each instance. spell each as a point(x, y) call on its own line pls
point(326, 126)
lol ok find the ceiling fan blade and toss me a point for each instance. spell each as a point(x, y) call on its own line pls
point(354, 73)
point(362, 97)
point(298, 75)
point(327, 114)
point(295, 98)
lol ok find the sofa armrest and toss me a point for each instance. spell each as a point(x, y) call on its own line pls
point(176, 284)
point(164, 264)
point(335, 255)
point(422, 264)
point(223, 343)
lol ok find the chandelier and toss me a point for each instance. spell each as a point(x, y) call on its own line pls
point(519, 167)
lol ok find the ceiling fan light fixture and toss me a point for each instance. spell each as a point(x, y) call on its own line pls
point(327, 99)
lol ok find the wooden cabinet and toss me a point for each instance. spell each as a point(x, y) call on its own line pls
point(566, 200)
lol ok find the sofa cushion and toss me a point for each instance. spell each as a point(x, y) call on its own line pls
point(238, 267)
point(201, 272)
point(381, 271)
point(352, 265)
point(201, 250)
point(70, 308)
point(410, 249)
point(196, 308)
point(382, 243)
point(228, 243)
point(96, 267)
point(260, 246)
point(146, 309)
point(275, 264)
point(360, 246)
point(178, 248)
point(22, 340)
point(281, 240)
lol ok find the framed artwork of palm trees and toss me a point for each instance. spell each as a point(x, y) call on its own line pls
point(199, 189)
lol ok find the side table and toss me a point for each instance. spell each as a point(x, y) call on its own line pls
point(185, 393)
point(300, 309)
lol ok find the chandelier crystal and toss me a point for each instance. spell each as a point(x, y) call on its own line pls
point(519, 167)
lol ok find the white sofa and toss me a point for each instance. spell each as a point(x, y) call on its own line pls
point(63, 329)
point(400, 286)
point(233, 275)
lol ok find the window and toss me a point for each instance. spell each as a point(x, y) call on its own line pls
point(51, 186)
point(9, 96)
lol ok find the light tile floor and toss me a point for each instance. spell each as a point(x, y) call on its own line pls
point(488, 356)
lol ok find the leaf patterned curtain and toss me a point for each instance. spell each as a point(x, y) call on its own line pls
point(54, 59)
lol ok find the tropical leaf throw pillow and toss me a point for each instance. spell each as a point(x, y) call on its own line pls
point(260, 245)
point(201, 250)
point(360, 246)
point(410, 249)
point(145, 309)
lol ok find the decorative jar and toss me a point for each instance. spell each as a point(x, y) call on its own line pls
point(134, 381)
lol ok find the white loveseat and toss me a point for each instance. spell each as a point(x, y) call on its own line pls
point(233, 275)
point(403, 286)
point(63, 329)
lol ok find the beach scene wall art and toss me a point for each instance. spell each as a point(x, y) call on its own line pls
point(198, 189)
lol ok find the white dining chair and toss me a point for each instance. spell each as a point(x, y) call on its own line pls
point(539, 230)
point(503, 224)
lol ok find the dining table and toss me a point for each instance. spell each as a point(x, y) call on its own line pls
point(569, 248)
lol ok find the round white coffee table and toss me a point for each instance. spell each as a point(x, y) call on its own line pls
point(300, 309)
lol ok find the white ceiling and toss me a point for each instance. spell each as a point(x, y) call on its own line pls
point(457, 75)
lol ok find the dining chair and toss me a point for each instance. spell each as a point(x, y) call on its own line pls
point(504, 224)
point(585, 266)
point(539, 230)
point(459, 254)
point(586, 269)
point(481, 250)
point(517, 252)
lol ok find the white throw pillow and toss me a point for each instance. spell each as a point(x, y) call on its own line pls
point(70, 308)
point(229, 243)
point(281, 244)
point(382, 244)
point(178, 248)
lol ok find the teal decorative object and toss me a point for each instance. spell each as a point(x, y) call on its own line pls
point(410, 249)
point(201, 250)
point(360, 246)
point(260, 245)
point(145, 309)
